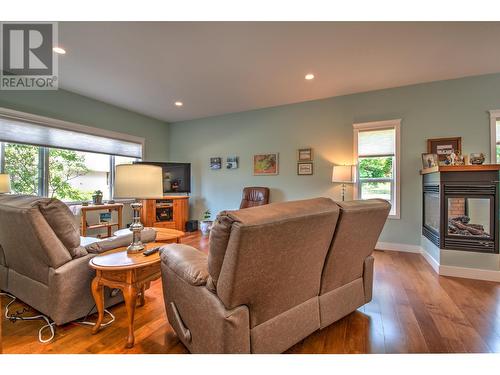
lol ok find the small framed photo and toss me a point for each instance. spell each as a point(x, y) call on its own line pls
point(216, 163)
point(430, 160)
point(232, 162)
point(305, 154)
point(304, 169)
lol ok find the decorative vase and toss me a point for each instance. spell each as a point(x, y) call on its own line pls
point(205, 226)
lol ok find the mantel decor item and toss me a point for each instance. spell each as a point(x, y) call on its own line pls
point(477, 158)
point(305, 154)
point(444, 147)
point(304, 169)
point(266, 164)
point(343, 174)
point(430, 160)
point(4, 183)
point(138, 181)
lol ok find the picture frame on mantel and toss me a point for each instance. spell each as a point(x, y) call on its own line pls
point(443, 147)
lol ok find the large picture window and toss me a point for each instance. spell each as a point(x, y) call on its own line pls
point(69, 174)
point(376, 147)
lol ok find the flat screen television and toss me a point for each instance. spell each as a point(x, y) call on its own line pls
point(176, 176)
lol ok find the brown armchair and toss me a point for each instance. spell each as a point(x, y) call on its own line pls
point(274, 274)
point(254, 196)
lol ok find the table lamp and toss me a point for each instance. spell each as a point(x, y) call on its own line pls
point(4, 183)
point(138, 181)
point(343, 174)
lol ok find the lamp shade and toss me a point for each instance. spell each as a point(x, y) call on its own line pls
point(138, 181)
point(343, 174)
point(4, 183)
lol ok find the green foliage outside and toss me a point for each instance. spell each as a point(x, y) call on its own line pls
point(375, 168)
point(21, 162)
point(498, 153)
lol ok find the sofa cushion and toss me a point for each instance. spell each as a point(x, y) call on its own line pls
point(62, 222)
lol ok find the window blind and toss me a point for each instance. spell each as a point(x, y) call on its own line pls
point(376, 142)
point(20, 131)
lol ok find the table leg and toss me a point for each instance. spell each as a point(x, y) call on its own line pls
point(142, 300)
point(98, 293)
point(130, 296)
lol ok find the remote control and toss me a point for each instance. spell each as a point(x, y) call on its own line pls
point(151, 251)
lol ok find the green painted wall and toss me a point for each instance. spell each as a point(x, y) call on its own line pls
point(438, 109)
point(68, 106)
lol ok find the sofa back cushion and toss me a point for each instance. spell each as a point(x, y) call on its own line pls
point(29, 243)
point(62, 222)
point(358, 229)
point(274, 255)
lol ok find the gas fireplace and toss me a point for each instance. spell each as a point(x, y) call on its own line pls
point(460, 208)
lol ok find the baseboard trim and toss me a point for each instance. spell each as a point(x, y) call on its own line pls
point(470, 273)
point(432, 262)
point(453, 271)
point(391, 246)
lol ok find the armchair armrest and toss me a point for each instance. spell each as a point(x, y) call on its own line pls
point(100, 246)
point(186, 262)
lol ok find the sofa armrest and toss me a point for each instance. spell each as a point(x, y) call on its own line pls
point(186, 262)
point(100, 246)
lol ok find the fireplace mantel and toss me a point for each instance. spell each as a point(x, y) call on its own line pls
point(461, 168)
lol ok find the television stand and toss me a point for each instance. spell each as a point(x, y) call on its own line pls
point(170, 212)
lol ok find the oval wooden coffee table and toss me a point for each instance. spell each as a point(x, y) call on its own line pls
point(131, 273)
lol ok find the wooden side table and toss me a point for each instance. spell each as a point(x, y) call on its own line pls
point(101, 207)
point(131, 273)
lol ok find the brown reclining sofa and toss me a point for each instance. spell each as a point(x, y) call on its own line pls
point(274, 274)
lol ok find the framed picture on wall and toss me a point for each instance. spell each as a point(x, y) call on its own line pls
point(305, 154)
point(304, 169)
point(266, 164)
point(443, 147)
point(216, 163)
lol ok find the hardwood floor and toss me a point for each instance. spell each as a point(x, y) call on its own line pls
point(413, 311)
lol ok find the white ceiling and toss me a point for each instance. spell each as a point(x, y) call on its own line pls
point(223, 67)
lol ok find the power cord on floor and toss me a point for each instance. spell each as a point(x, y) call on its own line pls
point(17, 316)
point(85, 322)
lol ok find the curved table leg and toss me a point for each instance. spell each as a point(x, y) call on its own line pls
point(130, 296)
point(98, 294)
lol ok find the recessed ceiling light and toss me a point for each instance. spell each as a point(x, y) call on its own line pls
point(309, 76)
point(59, 50)
point(179, 104)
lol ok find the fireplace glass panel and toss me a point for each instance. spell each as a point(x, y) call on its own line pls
point(469, 217)
point(431, 211)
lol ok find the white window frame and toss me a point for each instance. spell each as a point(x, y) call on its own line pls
point(494, 116)
point(380, 125)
